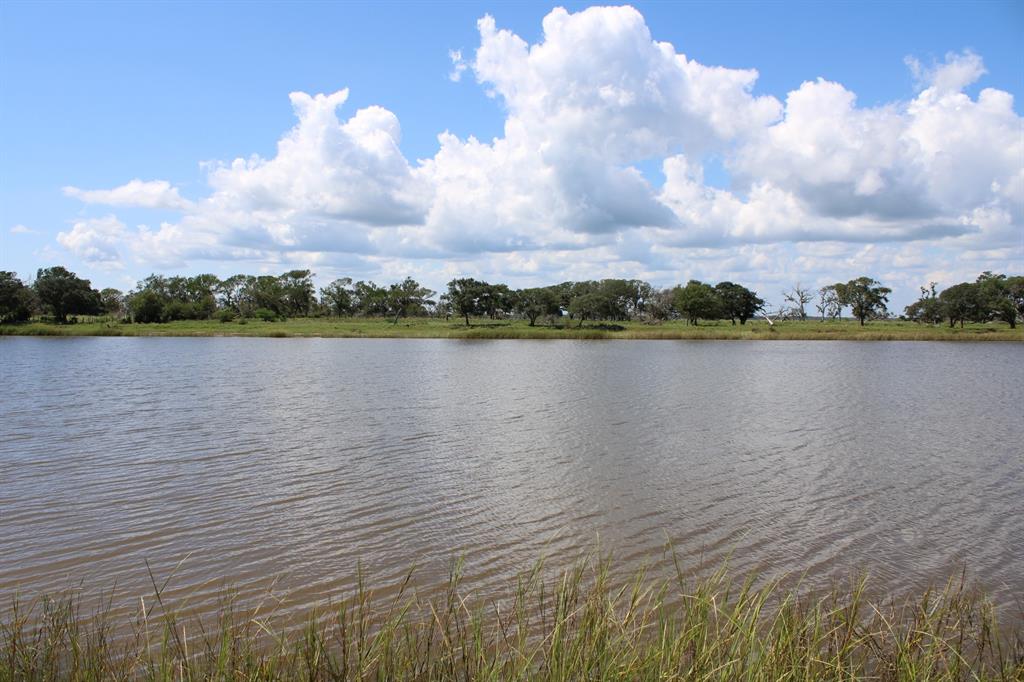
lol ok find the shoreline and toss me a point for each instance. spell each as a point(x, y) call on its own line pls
point(429, 328)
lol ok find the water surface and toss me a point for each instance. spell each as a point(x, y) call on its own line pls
point(247, 462)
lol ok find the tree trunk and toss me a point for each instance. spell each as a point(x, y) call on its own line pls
point(467, 319)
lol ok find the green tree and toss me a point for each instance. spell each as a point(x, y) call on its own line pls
point(697, 301)
point(337, 297)
point(146, 306)
point(298, 295)
point(16, 299)
point(738, 302)
point(495, 299)
point(1015, 291)
point(927, 309)
point(962, 303)
point(112, 301)
point(996, 298)
point(408, 298)
point(369, 299)
point(265, 292)
point(533, 303)
point(65, 293)
point(464, 296)
point(866, 298)
point(589, 306)
point(231, 293)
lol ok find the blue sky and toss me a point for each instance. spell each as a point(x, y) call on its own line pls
point(94, 95)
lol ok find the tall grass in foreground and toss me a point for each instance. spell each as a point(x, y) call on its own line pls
point(577, 625)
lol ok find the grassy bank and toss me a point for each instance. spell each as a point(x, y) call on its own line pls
point(577, 625)
point(519, 329)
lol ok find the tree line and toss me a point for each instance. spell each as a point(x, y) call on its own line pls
point(60, 295)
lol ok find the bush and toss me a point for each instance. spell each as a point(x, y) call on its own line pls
point(226, 315)
point(265, 314)
point(179, 310)
point(147, 307)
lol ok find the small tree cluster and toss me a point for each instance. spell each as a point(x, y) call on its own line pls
point(866, 298)
point(989, 298)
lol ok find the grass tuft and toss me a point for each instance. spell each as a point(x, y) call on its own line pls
point(579, 624)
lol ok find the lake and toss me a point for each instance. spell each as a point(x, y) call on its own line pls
point(283, 464)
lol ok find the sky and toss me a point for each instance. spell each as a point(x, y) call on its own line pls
point(529, 143)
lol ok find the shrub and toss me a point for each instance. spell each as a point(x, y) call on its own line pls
point(226, 315)
point(178, 310)
point(265, 314)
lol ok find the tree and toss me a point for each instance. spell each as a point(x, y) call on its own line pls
point(962, 302)
point(16, 299)
point(866, 297)
point(231, 293)
point(408, 298)
point(146, 306)
point(661, 305)
point(995, 295)
point(1015, 290)
point(112, 301)
point(926, 309)
point(494, 299)
point(337, 297)
point(369, 299)
point(588, 306)
point(696, 301)
point(829, 303)
point(65, 293)
point(266, 292)
point(297, 293)
point(464, 296)
point(799, 297)
point(532, 303)
point(737, 301)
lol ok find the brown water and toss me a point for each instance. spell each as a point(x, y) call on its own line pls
point(249, 461)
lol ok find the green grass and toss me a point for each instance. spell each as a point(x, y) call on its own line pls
point(580, 624)
point(519, 329)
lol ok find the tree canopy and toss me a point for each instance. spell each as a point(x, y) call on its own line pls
point(64, 293)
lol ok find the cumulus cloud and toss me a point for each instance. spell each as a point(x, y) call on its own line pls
point(145, 194)
point(818, 182)
point(95, 241)
point(21, 229)
point(953, 75)
point(918, 169)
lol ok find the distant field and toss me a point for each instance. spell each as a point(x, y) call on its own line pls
point(519, 329)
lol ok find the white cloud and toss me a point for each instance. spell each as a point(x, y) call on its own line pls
point(145, 194)
point(21, 229)
point(459, 65)
point(952, 75)
point(95, 241)
point(819, 183)
point(919, 169)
